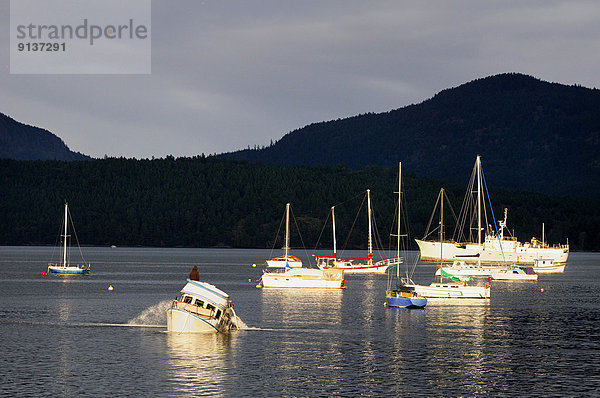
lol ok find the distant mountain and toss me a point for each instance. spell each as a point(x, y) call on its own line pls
point(532, 135)
point(22, 142)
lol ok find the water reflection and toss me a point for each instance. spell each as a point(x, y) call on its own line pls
point(301, 308)
point(198, 362)
point(456, 334)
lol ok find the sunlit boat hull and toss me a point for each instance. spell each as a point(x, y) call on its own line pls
point(285, 262)
point(71, 270)
point(405, 302)
point(501, 273)
point(452, 290)
point(509, 251)
point(304, 278)
point(201, 308)
point(547, 267)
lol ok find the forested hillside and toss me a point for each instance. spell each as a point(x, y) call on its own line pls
point(532, 135)
point(207, 202)
point(23, 142)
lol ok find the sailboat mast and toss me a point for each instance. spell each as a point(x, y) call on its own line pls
point(441, 226)
point(398, 230)
point(287, 230)
point(370, 226)
point(333, 224)
point(478, 165)
point(543, 237)
point(65, 237)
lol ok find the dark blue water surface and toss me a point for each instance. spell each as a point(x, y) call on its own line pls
point(71, 336)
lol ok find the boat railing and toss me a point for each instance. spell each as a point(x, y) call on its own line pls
point(193, 308)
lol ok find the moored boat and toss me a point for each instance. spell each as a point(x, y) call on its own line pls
point(64, 267)
point(298, 277)
point(287, 260)
point(512, 272)
point(201, 308)
point(454, 288)
point(495, 247)
point(362, 265)
point(397, 294)
point(304, 278)
point(547, 266)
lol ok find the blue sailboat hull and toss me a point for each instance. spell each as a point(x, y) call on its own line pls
point(67, 270)
point(406, 302)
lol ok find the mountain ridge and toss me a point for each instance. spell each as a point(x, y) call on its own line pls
point(20, 141)
point(532, 135)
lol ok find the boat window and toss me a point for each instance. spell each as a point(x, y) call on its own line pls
point(218, 314)
point(187, 299)
point(200, 303)
point(210, 307)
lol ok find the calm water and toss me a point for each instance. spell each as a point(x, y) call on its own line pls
point(70, 336)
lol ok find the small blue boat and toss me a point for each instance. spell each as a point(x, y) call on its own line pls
point(404, 297)
point(68, 270)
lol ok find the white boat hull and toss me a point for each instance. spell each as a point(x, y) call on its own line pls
point(304, 278)
point(352, 268)
point(201, 308)
point(501, 273)
point(68, 270)
point(285, 262)
point(453, 290)
point(543, 266)
point(511, 252)
point(185, 322)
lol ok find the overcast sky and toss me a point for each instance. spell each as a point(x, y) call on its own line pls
point(228, 74)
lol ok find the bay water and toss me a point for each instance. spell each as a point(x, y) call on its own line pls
point(72, 336)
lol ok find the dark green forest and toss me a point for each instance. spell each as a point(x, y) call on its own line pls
point(212, 202)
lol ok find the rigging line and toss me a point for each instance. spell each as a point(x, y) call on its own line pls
point(300, 235)
point(76, 238)
point(351, 199)
point(427, 231)
point(322, 230)
point(277, 235)
point(353, 223)
point(464, 211)
point(493, 217)
point(451, 211)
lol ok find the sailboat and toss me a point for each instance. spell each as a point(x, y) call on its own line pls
point(65, 267)
point(287, 260)
point(401, 296)
point(300, 277)
point(362, 265)
point(495, 247)
point(454, 287)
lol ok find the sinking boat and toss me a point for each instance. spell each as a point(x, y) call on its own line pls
point(65, 267)
point(201, 308)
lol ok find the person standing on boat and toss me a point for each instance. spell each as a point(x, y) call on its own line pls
point(194, 275)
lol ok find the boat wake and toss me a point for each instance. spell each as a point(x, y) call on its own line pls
point(155, 315)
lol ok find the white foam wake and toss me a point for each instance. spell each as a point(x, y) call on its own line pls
point(154, 315)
